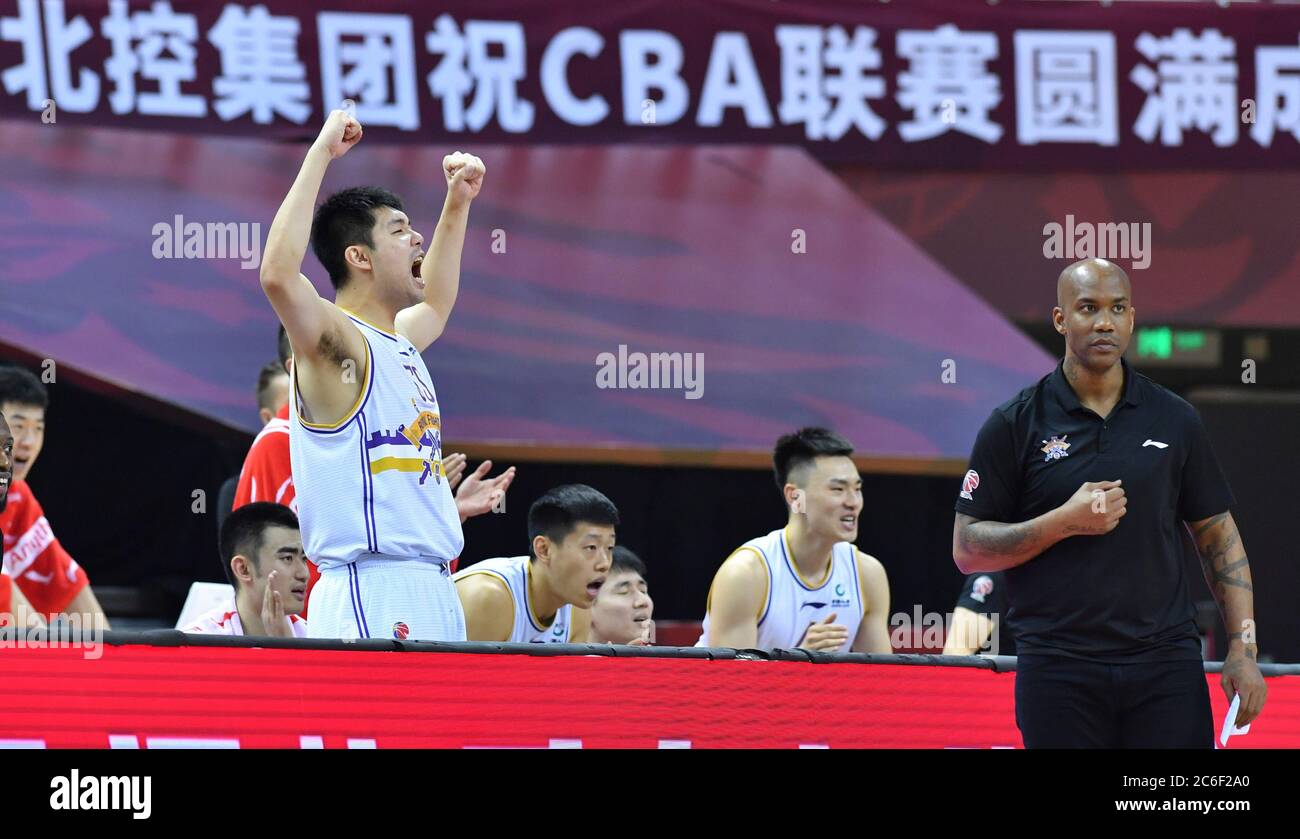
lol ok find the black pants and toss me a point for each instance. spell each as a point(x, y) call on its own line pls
point(1064, 703)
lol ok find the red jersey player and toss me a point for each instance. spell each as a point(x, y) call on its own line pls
point(262, 549)
point(33, 558)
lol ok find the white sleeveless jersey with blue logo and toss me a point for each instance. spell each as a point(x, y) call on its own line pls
point(792, 603)
point(373, 484)
point(515, 571)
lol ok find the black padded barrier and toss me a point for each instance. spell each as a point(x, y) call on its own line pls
point(67, 636)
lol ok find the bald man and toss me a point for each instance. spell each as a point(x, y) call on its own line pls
point(1076, 489)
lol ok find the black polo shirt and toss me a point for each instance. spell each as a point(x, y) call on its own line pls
point(1119, 597)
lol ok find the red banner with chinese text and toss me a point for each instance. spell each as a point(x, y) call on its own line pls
point(923, 83)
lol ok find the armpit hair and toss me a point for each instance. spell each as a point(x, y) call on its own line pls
point(331, 348)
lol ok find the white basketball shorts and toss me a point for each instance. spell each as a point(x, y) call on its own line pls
point(386, 597)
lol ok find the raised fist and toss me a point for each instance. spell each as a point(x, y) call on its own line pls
point(341, 133)
point(464, 173)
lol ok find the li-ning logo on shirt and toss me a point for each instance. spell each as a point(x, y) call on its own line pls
point(1055, 448)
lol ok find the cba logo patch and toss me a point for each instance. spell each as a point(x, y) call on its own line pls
point(969, 483)
point(400, 631)
point(1055, 448)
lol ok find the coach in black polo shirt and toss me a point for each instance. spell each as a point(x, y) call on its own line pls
point(1077, 488)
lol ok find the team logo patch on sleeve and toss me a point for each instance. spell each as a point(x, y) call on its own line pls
point(981, 588)
point(969, 483)
point(401, 631)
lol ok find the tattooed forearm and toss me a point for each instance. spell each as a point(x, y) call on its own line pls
point(1222, 554)
point(996, 546)
point(1227, 570)
point(996, 539)
point(1249, 647)
point(1201, 526)
point(1227, 575)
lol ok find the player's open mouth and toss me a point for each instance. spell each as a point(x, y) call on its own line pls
point(849, 521)
point(593, 587)
point(4, 484)
point(415, 266)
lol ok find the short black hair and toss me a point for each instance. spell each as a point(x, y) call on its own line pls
point(625, 560)
point(269, 373)
point(346, 219)
point(20, 386)
point(803, 447)
point(244, 528)
point(4, 497)
point(283, 348)
point(558, 512)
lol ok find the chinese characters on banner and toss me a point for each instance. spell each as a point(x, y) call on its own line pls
point(893, 87)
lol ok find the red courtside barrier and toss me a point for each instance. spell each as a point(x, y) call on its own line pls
point(139, 696)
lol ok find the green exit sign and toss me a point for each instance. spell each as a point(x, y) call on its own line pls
point(1174, 346)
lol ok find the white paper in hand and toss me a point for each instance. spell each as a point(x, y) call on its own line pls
point(1229, 728)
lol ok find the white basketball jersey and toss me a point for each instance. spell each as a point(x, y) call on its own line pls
point(373, 483)
point(515, 572)
point(792, 603)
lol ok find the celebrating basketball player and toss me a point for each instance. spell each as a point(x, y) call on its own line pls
point(805, 585)
point(366, 440)
point(545, 597)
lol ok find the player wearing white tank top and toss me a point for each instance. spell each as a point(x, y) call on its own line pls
point(806, 585)
point(545, 597)
point(366, 442)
